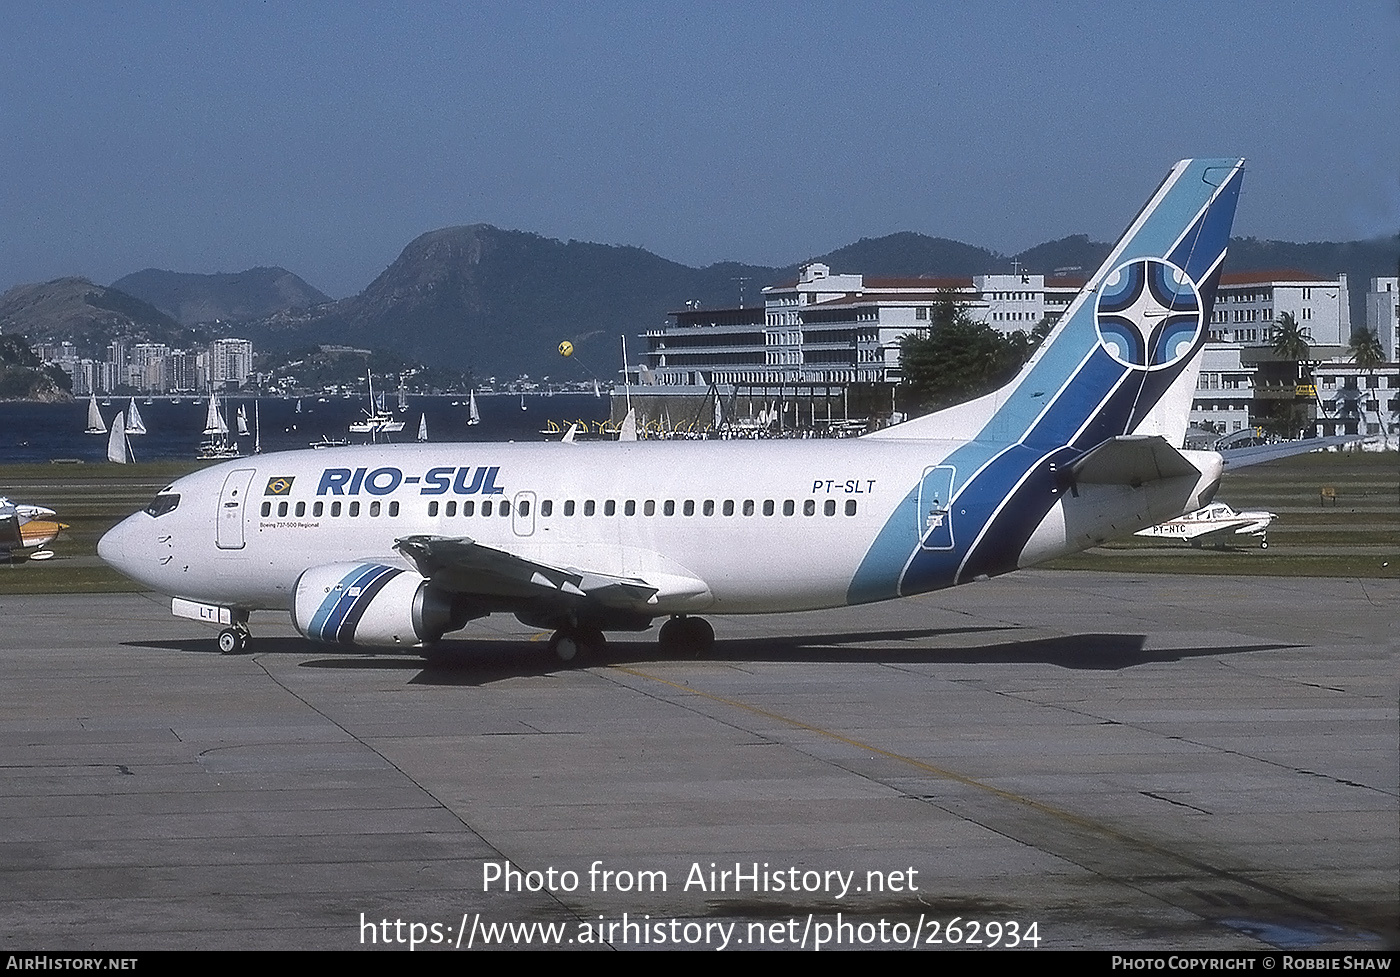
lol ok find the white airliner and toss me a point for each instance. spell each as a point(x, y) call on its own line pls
point(396, 545)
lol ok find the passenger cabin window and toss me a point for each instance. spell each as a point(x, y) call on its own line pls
point(354, 508)
point(163, 503)
point(589, 508)
point(649, 509)
point(318, 509)
point(451, 508)
point(569, 508)
point(610, 508)
point(393, 509)
point(335, 508)
point(301, 509)
point(630, 508)
point(374, 508)
point(432, 508)
point(547, 507)
point(266, 509)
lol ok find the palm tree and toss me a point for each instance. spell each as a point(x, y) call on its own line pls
point(1290, 345)
point(1365, 350)
point(1288, 339)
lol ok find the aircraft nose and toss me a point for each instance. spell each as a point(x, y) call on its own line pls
point(112, 547)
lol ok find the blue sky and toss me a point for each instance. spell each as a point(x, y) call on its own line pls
point(323, 137)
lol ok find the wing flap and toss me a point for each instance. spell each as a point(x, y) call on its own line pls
point(462, 564)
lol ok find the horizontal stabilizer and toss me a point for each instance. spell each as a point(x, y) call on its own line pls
point(1131, 460)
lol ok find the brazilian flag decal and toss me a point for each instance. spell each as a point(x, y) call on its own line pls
point(278, 486)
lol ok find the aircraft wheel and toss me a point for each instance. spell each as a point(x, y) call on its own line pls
point(686, 636)
point(231, 642)
point(702, 636)
point(594, 644)
point(573, 647)
point(1263, 544)
point(669, 638)
point(564, 645)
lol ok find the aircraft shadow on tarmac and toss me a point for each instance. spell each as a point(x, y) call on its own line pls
point(482, 661)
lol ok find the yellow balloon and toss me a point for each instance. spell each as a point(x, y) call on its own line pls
point(566, 348)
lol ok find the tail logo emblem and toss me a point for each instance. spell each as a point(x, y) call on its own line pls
point(1148, 314)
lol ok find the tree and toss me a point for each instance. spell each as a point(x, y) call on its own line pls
point(956, 359)
point(1365, 350)
point(1289, 340)
point(1283, 413)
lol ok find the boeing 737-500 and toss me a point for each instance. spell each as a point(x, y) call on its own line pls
point(398, 545)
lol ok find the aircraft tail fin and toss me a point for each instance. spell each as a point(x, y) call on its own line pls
point(1124, 357)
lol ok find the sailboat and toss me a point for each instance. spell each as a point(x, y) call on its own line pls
point(403, 397)
point(134, 423)
point(422, 427)
point(473, 415)
point(118, 447)
point(242, 421)
point(95, 424)
point(216, 430)
point(377, 420)
point(257, 428)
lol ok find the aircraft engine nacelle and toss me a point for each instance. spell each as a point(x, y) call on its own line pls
point(369, 604)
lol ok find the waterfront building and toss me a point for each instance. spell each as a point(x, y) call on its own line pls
point(826, 328)
point(230, 361)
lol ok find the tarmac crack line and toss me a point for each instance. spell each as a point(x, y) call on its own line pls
point(552, 897)
point(1211, 747)
point(1069, 818)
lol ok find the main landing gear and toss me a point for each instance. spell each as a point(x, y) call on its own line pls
point(683, 635)
point(572, 644)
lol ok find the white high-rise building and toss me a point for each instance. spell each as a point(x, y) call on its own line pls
point(1383, 314)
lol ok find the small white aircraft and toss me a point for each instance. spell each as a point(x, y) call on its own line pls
point(397, 545)
point(25, 527)
point(1217, 523)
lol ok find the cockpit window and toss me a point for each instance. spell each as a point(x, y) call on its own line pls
point(163, 503)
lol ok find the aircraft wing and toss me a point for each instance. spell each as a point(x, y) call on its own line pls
point(1260, 453)
point(461, 564)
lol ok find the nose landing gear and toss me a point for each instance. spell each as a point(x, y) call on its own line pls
point(234, 640)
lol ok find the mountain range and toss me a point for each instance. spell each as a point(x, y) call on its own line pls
point(499, 302)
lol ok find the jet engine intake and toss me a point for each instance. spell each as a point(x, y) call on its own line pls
point(370, 604)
